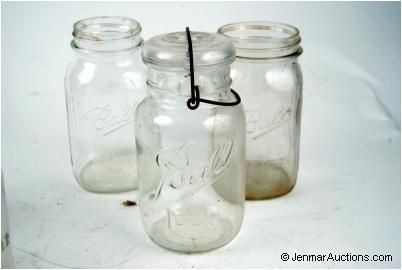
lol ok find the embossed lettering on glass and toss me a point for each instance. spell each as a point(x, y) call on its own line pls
point(104, 83)
point(267, 75)
point(191, 163)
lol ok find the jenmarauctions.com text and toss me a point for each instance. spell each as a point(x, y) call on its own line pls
point(332, 257)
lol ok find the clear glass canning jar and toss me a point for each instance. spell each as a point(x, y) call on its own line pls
point(104, 83)
point(191, 163)
point(267, 75)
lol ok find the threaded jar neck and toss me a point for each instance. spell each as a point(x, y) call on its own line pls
point(260, 39)
point(106, 34)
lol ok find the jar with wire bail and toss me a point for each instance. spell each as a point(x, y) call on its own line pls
point(191, 154)
point(105, 81)
point(268, 76)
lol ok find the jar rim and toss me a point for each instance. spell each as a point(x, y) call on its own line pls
point(129, 27)
point(263, 39)
point(106, 34)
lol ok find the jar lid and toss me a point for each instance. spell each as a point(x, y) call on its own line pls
point(172, 50)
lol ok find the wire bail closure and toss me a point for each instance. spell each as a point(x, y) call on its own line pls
point(194, 102)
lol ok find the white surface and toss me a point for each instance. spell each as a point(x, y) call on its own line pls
point(347, 199)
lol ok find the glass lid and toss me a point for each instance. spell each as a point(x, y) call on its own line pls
point(172, 49)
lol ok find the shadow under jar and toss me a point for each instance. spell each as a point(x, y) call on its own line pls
point(191, 163)
point(267, 75)
point(104, 83)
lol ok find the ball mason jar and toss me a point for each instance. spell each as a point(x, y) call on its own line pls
point(191, 163)
point(104, 83)
point(267, 75)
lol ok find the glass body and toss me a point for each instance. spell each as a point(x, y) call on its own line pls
point(190, 162)
point(104, 83)
point(268, 77)
point(7, 260)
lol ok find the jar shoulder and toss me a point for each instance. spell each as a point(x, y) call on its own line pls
point(77, 66)
point(169, 115)
point(259, 70)
point(260, 80)
point(87, 73)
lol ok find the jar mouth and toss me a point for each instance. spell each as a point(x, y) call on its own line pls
point(263, 39)
point(106, 33)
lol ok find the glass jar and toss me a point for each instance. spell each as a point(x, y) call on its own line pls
point(191, 163)
point(267, 75)
point(104, 83)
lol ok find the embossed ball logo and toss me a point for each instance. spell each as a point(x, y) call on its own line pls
point(182, 170)
point(106, 119)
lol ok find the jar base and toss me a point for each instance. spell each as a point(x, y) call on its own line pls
point(186, 234)
point(109, 175)
point(266, 181)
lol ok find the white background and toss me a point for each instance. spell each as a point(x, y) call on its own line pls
point(348, 194)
